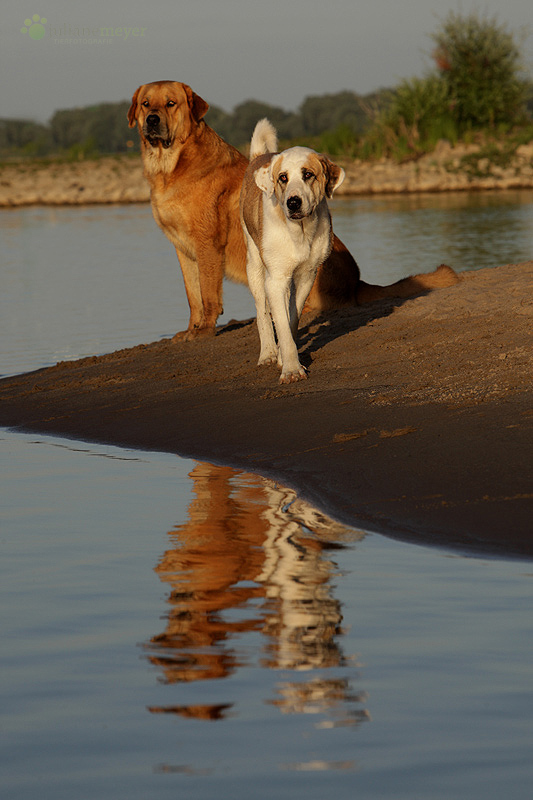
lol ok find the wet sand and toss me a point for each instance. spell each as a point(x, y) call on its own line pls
point(416, 420)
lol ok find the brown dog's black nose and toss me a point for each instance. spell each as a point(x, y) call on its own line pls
point(152, 120)
point(294, 203)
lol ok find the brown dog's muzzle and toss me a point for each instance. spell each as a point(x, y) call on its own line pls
point(156, 131)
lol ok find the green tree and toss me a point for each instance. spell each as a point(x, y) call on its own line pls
point(237, 127)
point(245, 116)
point(219, 120)
point(480, 65)
point(328, 112)
point(107, 127)
point(101, 128)
point(23, 137)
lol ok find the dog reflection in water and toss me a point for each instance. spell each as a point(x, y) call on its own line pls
point(251, 558)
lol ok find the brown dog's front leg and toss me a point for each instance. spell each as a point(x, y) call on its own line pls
point(210, 274)
point(203, 285)
point(191, 279)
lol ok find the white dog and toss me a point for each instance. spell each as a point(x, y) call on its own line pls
point(288, 234)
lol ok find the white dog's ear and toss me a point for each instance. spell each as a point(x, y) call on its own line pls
point(263, 179)
point(334, 175)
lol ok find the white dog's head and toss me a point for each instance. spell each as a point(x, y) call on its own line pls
point(299, 179)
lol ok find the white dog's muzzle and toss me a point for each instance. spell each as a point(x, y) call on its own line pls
point(297, 205)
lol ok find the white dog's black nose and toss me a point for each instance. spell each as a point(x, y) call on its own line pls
point(294, 203)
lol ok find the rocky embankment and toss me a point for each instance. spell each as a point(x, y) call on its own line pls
point(120, 179)
point(446, 169)
point(105, 180)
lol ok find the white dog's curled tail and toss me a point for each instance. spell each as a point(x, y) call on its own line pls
point(264, 139)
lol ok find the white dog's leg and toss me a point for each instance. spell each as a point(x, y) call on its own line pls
point(303, 283)
point(255, 271)
point(278, 293)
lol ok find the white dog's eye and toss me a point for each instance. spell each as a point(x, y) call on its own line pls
point(282, 178)
point(307, 175)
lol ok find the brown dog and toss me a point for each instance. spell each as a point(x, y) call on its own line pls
point(195, 179)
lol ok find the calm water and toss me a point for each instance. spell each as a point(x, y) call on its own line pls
point(82, 281)
point(173, 629)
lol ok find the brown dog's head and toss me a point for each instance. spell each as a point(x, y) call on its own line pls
point(165, 112)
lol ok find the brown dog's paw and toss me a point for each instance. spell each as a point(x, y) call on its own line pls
point(192, 334)
point(180, 336)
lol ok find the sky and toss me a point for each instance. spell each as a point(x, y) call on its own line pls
point(74, 54)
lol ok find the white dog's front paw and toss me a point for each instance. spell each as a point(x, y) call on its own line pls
point(291, 376)
point(269, 358)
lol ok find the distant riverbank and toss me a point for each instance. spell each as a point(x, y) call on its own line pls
point(119, 179)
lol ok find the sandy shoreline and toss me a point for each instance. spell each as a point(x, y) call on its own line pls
point(120, 179)
point(416, 420)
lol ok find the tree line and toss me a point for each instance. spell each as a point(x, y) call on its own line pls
point(103, 128)
point(76, 133)
point(479, 84)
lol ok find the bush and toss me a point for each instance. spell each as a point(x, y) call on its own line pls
point(477, 86)
point(480, 65)
point(418, 116)
point(340, 142)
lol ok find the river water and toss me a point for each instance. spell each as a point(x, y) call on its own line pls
point(175, 629)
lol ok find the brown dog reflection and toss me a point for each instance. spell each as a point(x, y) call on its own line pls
point(251, 558)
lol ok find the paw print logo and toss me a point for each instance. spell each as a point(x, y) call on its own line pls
point(34, 27)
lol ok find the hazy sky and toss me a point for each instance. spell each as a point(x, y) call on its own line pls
point(229, 51)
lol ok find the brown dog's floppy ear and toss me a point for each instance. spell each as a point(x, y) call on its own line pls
point(198, 106)
point(334, 175)
point(132, 112)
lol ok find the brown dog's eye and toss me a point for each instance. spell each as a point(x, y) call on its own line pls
point(307, 175)
point(145, 103)
point(170, 103)
point(283, 177)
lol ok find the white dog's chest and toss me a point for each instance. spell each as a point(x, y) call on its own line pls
point(287, 245)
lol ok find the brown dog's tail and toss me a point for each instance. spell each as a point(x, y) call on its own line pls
point(338, 283)
point(440, 278)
